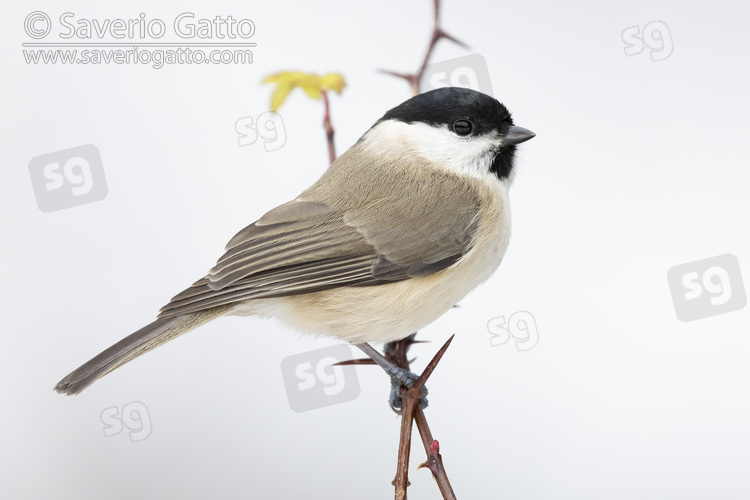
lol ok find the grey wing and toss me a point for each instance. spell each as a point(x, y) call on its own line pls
point(309, 246)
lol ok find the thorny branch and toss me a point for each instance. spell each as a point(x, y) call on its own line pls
point(434, 460)
point(437, 33)
point(396, 353)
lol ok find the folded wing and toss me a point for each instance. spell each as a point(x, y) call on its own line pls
point(313, 244)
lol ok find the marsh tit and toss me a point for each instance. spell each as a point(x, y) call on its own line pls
point(399, 228)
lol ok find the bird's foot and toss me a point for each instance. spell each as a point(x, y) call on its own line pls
point(399, 378)
point(405, 379)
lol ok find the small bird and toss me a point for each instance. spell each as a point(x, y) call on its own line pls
point(399, 228)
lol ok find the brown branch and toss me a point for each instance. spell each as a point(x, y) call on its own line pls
point(401, 481)
point(396, 352)
point(434, 460)
point(328, 126)
point(415, 79)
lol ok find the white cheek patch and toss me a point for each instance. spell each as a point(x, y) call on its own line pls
point(463, 155)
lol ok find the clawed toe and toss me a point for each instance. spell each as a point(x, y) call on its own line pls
point(396, 400)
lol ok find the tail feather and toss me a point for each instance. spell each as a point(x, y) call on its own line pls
point(132, 346)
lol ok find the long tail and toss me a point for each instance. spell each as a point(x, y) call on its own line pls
point(150, 336)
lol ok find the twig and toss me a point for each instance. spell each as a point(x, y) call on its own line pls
point(434, 460)
point(396, 352)
point(401, 481)
point(329, 127)
point(437, 33)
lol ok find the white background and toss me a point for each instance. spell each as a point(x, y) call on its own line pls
point(637, 166)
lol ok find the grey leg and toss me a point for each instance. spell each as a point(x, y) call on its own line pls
point(399, 377)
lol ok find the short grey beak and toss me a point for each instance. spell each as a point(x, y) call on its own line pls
point(517, 135)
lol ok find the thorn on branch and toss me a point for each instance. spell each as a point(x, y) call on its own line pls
point(364, 361)
point(453, 39)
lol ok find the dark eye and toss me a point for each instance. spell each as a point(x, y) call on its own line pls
point(462, 126)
